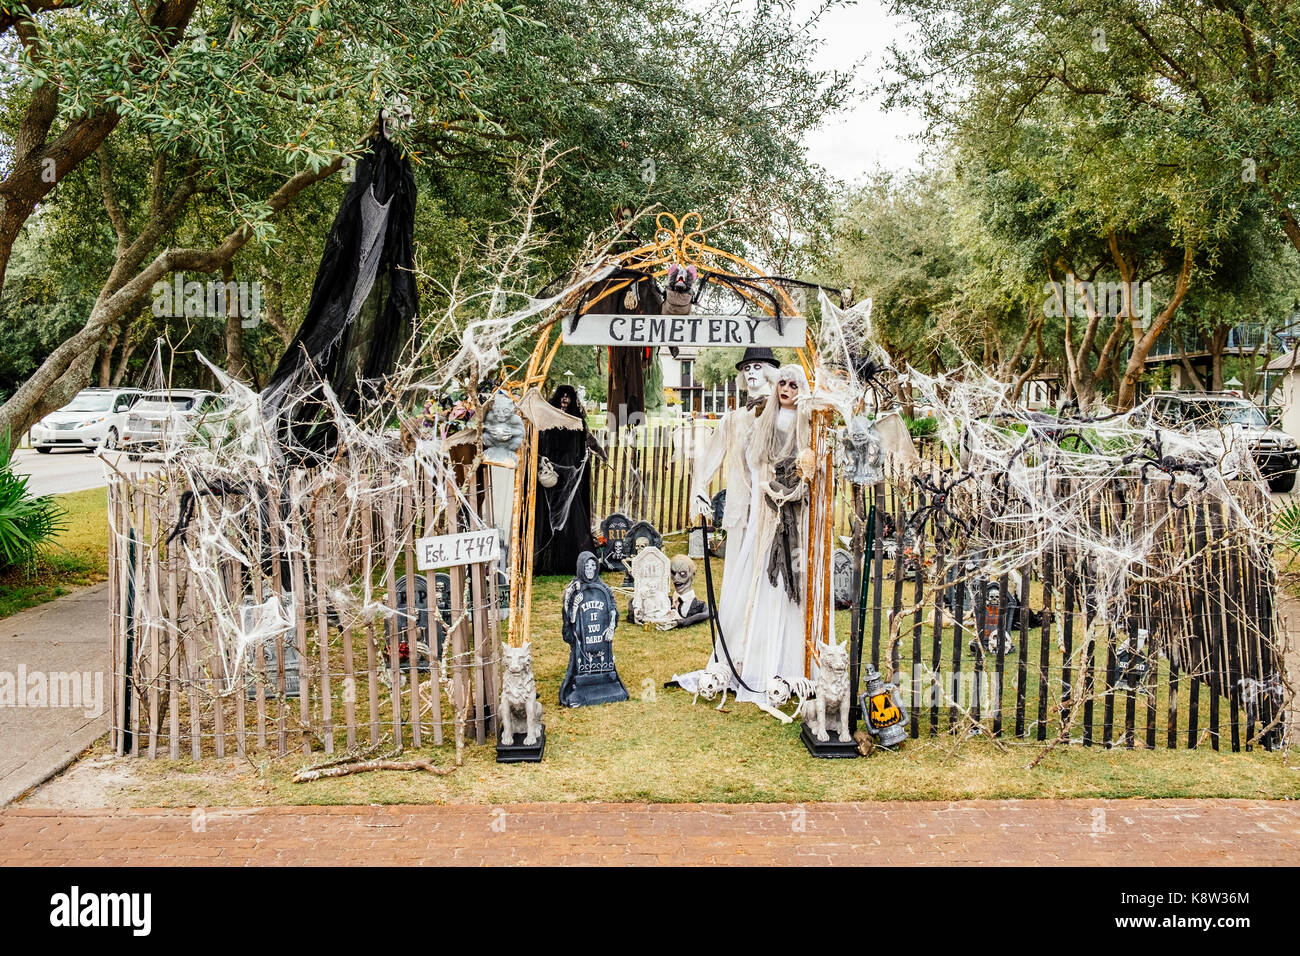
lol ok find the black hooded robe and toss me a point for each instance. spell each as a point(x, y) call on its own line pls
point(555, 549)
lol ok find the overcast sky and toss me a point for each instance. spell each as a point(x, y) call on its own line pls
point(865, 136)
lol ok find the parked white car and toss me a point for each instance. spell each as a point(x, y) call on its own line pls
point(95, 417)
point(166, 414)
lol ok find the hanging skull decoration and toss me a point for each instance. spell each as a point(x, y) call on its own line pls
point(861, 455)
point(681, 282)
point(503, 431)
point(547, 476)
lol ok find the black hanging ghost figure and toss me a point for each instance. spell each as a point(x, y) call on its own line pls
point(590, 616)
point(361, 306)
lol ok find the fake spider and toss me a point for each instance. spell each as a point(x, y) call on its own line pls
point(1151, 454)
point(938, 492)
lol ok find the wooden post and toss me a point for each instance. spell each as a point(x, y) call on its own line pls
point(819, 601)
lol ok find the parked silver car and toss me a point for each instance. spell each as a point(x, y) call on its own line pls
point(1231, 428)
point(166, 415)
point(95, 417)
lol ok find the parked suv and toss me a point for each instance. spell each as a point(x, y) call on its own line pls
point(95, 417)
point(166, 414)
point(1222, 421)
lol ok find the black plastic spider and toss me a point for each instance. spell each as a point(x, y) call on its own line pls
point(1151, 454)
point(938, 506)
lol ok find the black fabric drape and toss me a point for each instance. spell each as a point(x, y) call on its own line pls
point(331, 347)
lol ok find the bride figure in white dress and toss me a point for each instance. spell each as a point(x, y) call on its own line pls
point(761, 611)
point(772, 549)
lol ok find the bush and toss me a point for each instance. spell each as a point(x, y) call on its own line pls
point(922, 427)
point(27, 522)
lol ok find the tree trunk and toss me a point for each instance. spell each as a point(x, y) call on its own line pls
point(235, 363)
point(1142, 344)
point(1218, 342)
point(106, 361)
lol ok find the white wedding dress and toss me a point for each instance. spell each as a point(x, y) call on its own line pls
point(763, 628)
point(772, 624)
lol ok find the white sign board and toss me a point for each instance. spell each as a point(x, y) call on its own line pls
point(735, 331)
point(448, 550)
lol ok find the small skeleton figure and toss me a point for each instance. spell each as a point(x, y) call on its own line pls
point(713, 681)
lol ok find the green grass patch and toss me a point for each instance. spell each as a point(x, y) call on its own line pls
point(77, 559)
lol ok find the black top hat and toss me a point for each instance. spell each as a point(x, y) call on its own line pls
point(758, 354)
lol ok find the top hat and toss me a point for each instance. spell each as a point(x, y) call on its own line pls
point(758, 354)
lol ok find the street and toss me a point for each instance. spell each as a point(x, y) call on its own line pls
point(60, 471)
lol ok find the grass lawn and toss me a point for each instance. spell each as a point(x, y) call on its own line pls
point(78, 558)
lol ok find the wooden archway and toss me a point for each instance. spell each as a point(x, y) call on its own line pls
point(680, 240)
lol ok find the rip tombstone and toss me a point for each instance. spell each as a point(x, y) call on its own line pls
point(615, 530)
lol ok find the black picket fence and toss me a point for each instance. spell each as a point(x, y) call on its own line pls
point(1023, 653)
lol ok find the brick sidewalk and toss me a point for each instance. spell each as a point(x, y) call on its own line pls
point(1030, 832)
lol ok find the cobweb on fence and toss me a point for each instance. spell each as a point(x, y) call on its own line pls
point(1162, 535)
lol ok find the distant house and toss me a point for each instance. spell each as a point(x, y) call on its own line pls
point(697, 399)
point(1282, 388)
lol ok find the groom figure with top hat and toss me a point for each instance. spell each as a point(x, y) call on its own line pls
point(726, 449)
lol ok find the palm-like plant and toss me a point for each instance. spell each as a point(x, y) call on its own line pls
point(1286, 525)
point(27, 522)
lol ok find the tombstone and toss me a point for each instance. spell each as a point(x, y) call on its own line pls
point(397, 624)
point(641, 535)
point(650, 602)
point(614, 529)
point(842, 576)
point(719, 507)
point(1131, 665)
point(251, 616)
point(589, 616)
point(695, 543)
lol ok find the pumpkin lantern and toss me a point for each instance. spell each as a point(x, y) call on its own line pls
point(882, 705)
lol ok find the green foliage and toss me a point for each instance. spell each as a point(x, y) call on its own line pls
point(926, 427)
point(27, 522)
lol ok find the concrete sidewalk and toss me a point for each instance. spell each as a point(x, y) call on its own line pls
point(66, 637)
point(1183, 833)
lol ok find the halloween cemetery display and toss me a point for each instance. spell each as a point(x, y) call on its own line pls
point(293, 544)
point(590, 616)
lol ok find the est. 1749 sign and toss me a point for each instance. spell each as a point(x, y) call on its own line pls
point(449, 550)
point(737, 331)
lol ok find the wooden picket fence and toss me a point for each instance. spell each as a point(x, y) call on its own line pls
point(648, 470)
point(181, 684)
